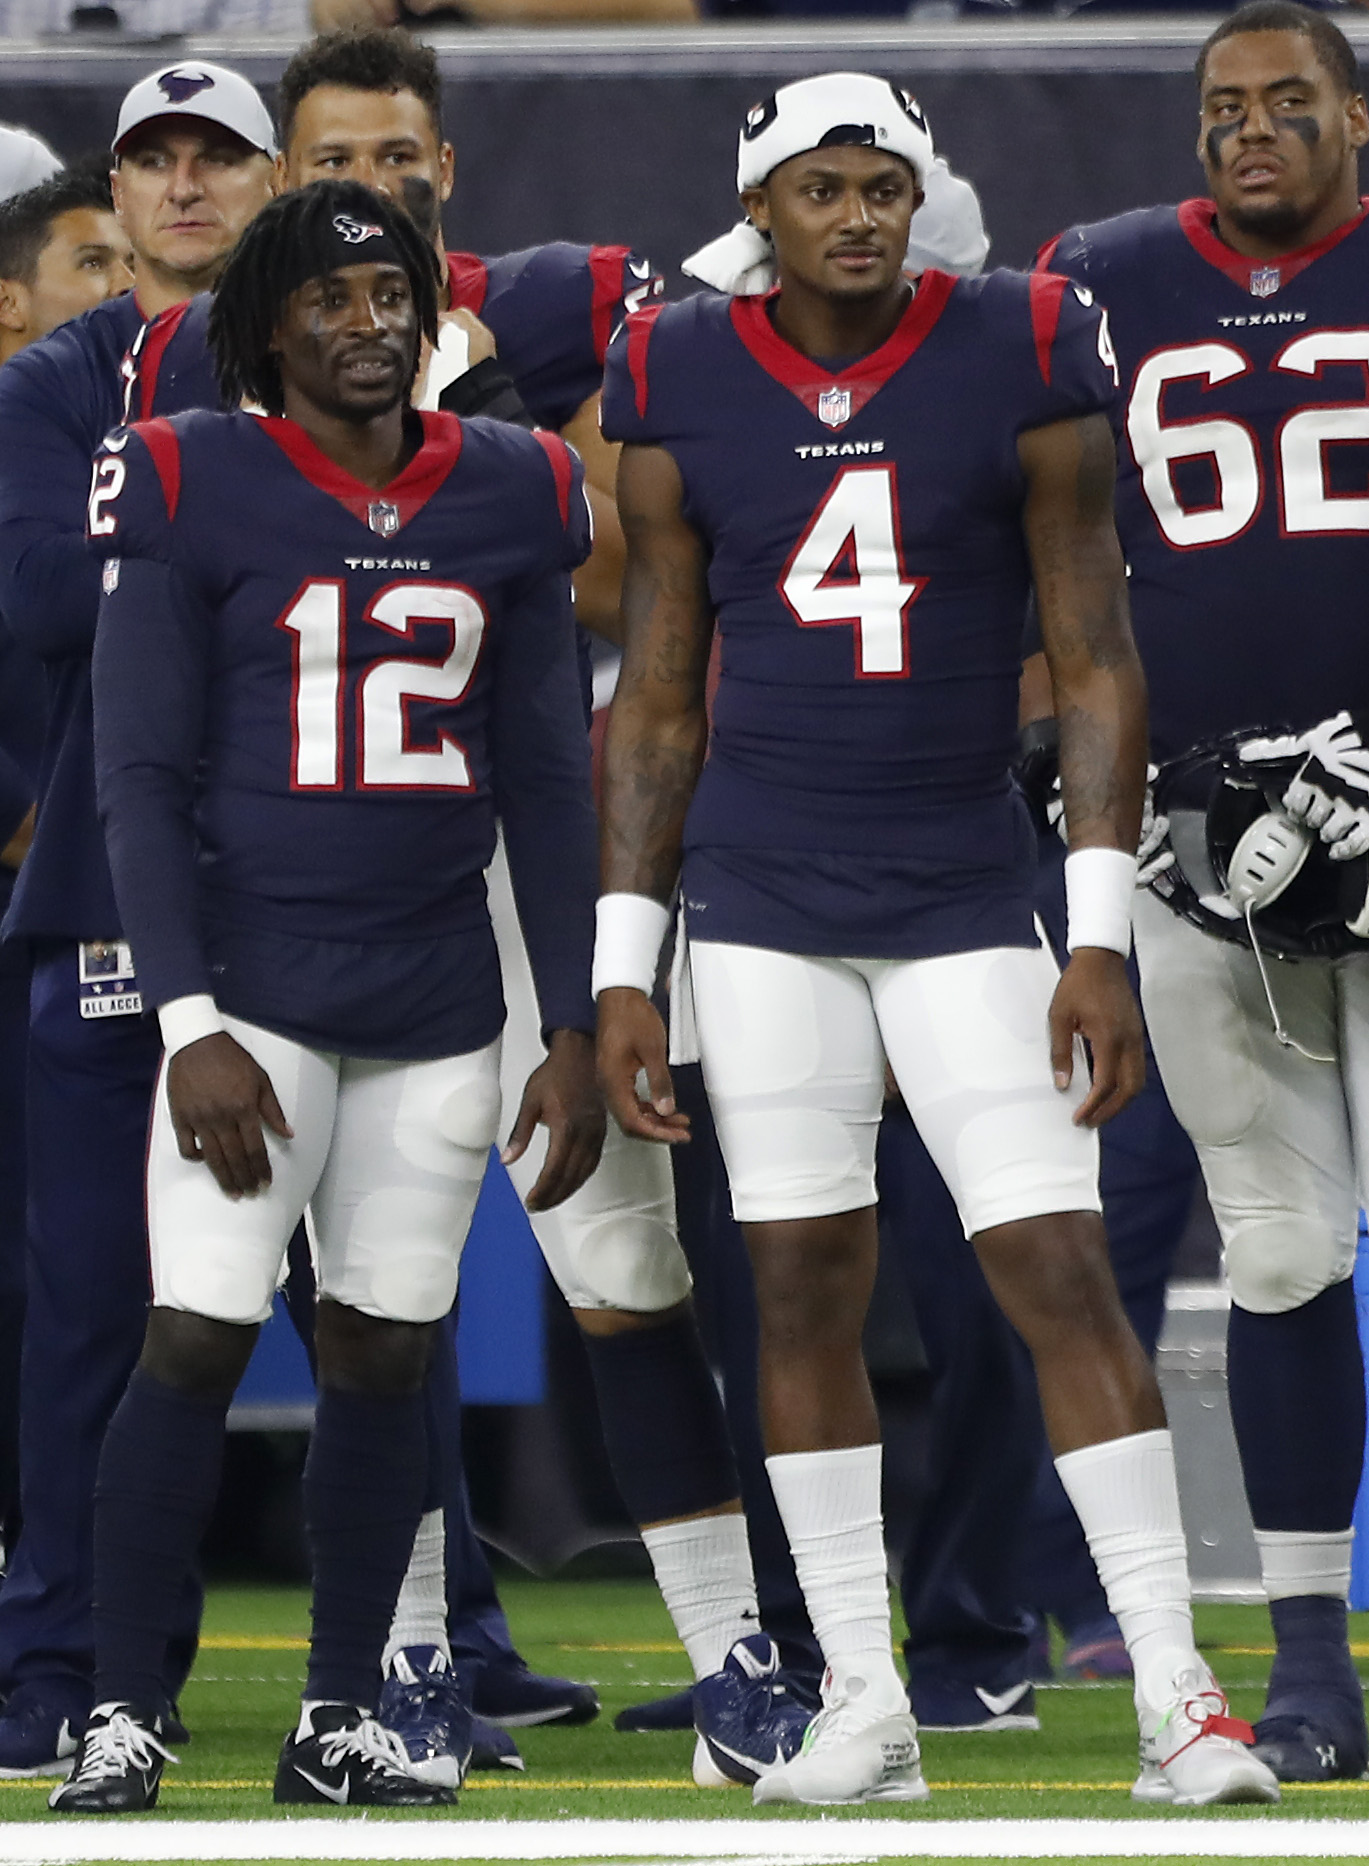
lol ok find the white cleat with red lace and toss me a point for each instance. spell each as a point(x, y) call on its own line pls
point(1195, 1752)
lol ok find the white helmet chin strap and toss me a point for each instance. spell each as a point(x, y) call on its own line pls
point(1268, 856)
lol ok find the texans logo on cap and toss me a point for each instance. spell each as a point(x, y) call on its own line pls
point(178, 87)
point(909, 105)
point(760, 116)
point(355, 231)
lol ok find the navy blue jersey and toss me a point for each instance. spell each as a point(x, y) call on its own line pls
point(1243, 494)
point(311, 700)
point(552, 311)
point(870, 576)
point(58, 399)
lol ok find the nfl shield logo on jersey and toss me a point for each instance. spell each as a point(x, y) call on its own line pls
point(834, 407)
point(383, 518)
point(1265, 281)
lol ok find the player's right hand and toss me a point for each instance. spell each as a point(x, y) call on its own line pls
point(219, 1096)
point(632, 1043)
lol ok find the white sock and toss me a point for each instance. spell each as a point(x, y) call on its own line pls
point(829, 1503)
point(1125, 1494)
point(1297, 1561)
point(703, 1569)
point(421, 1610)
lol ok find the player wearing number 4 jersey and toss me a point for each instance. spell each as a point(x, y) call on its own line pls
point(1241, 332)
point(336, 641)
point(862, 479)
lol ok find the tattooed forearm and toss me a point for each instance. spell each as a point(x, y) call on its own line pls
point(658, 727)
point(646, 797)
point(1081, 596)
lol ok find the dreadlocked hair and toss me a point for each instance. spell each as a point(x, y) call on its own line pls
point(264, 269)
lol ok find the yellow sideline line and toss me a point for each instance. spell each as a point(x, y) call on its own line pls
point(1359, 1649)
point(252, 1642)
point(608, 1645)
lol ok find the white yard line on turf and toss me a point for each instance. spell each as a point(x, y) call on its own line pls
point(757, 1842)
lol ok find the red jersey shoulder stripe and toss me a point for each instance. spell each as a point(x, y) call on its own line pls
point(606, 270)
point(160, 440)
point(639, 328)
point(468, 280)
point(1045, 292)
point(561, 469)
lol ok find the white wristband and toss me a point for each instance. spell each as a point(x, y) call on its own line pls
point(628, 931)
point(185, 1020)
point(1099, 886)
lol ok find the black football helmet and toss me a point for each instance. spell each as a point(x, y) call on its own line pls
point(1211, 798)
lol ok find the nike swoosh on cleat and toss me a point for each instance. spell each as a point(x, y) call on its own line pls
point(999, 1706)
point(339, 1795)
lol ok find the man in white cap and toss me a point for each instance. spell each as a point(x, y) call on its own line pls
point(192, 165)
point(193, 154)
point(862, 477)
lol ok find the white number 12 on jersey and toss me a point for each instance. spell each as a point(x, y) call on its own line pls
point(857, 525)
point(385, 760)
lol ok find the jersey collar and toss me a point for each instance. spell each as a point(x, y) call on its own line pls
point(835, 399)
point(1260, 277)
point(388, 510)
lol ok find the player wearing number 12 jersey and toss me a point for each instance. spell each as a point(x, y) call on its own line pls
point(862, 480)
point(1241, 332)
point(336, 641)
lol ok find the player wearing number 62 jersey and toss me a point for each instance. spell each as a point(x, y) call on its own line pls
point(862, 480)
point(1242, 336)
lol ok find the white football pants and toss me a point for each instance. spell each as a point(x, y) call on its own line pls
point(1282, 1140)
point(388, 1156)
point(613, 1244)
point(793, 1054)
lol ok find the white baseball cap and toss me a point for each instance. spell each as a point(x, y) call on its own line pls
point(192, 88)
point(837, 107)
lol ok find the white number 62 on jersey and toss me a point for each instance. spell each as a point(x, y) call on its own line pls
point(1307, 506)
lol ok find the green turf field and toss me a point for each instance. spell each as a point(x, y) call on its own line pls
point(615, 1633)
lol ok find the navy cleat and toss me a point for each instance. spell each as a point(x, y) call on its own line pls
point(1313, 1727)
point(347, 1759)
point(1315, 1748)
point(119, 1768)
point(675, 1712)
point(746, 1718)
point(511, 1695)
point(951, 1705)
point(493, 1748)
point(422, 1703)
point(1096, 1653)
point(37, 1735)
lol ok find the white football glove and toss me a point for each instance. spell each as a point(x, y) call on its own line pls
point(1331, 791)
point(1153, 855)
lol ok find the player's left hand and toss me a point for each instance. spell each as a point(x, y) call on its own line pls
point(1094, 1001)
point(563, 1095)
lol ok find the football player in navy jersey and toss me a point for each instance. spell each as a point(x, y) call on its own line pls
point(368, 105)
point(1240, 331)
point(336, 639)
point(192, 160)
point(862, 478)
